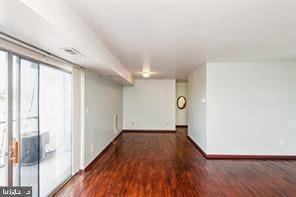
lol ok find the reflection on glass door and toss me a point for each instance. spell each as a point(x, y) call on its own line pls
point(55, 128)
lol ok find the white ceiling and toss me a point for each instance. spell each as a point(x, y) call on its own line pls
point(175, 37)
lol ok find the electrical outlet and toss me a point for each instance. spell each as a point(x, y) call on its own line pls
point(282, 143)
point(203, 101)
point(92, 148)
point(223, 142)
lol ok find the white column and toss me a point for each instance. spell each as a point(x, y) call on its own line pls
point(77, 120)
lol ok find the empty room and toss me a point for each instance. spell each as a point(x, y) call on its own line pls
point(144, 98)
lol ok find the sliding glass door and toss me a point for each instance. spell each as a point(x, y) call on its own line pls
point(55, 127)
point(35, 124)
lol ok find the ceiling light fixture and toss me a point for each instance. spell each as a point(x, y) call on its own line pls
point(146, 74)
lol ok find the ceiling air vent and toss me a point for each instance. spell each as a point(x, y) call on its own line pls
point(71, 51)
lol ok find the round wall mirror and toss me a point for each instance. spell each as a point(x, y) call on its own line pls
point(181, 102)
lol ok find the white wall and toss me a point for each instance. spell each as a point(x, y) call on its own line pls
point(197, 109)
point(251, 108)
point(181, 114)
point(149, 105)
point(103, 98)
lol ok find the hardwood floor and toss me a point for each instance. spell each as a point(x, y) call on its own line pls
point(142, 164)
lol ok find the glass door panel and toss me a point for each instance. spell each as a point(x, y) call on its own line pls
point(30, 148)
point(3, 119)
point(55, 128)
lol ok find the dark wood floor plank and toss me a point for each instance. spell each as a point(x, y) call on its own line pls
point(167, 164)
